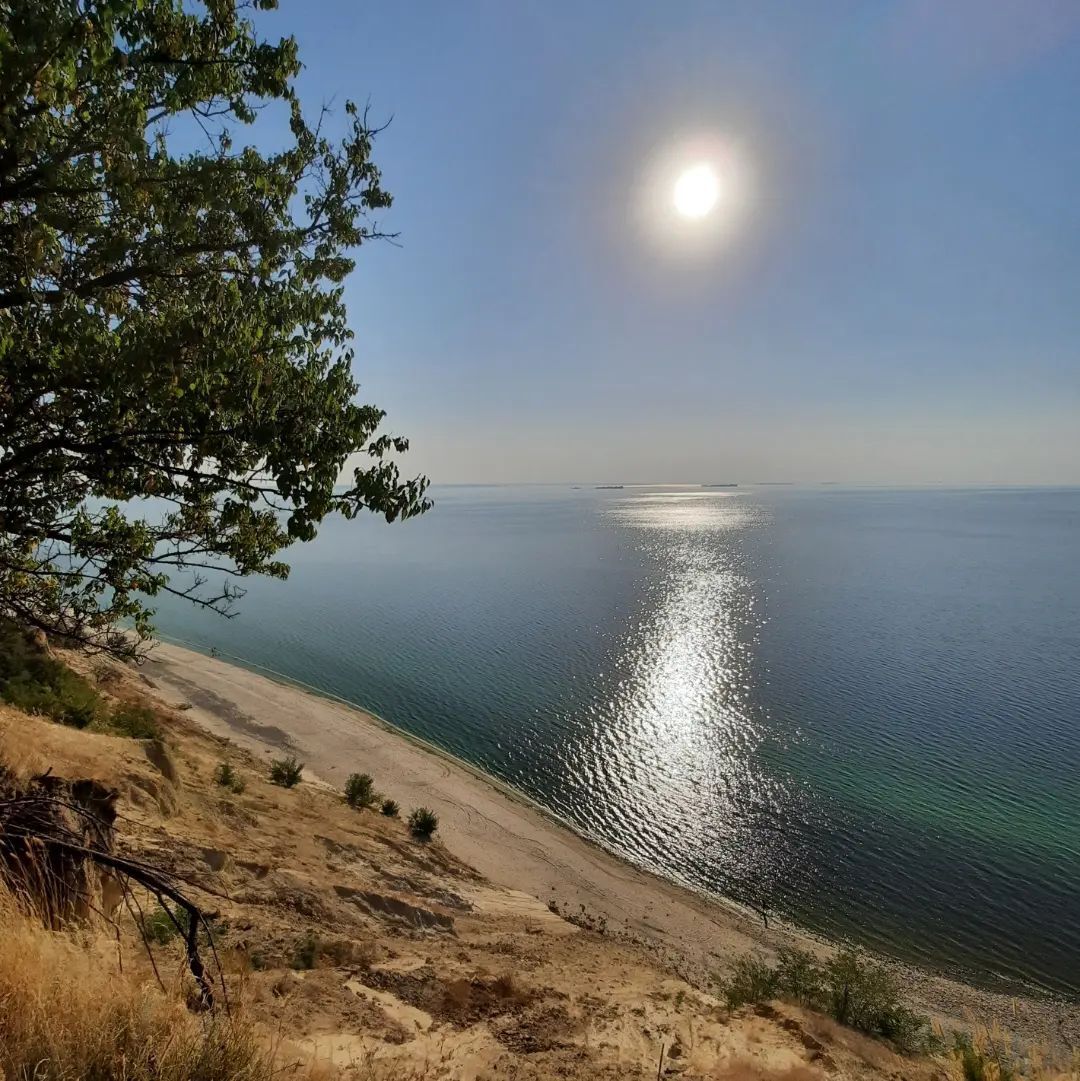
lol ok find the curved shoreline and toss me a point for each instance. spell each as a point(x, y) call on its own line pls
point(504, 787)
point(515, 841)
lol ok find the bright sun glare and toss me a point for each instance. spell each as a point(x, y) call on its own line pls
point(696, 191)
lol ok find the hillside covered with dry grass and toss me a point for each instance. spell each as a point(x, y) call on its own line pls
point(348, 947)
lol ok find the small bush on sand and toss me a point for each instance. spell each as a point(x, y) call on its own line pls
point(138, 722)
point(423, 822)
point(360, 790)
point(865, 995)
point(286, 771)
point(228, 778)
point(752, 980)
point(390, 808)
point(159, 927)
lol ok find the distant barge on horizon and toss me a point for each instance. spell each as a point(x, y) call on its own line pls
point(606, 487)
point(719, 486)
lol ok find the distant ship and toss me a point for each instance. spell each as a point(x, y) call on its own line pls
point(719, 486)
point(608, 486)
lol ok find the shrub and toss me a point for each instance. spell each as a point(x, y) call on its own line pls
point(752, 980)
point(980, 1059)
point(286, 771)
point(159, 928)
point(360, 790)
point(228, 778)
point(138, 722)
point(798, 976)
point(423, 822)
point(850, 988)
point(307, 952)
point(33, 681)
point(390, 808)
point(866, 995)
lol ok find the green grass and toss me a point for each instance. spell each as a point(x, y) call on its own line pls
point(138, 722)
point(34, 681)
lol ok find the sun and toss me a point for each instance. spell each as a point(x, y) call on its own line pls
point(696, 191)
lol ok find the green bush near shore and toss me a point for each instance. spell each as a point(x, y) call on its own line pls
point(753, 979)
point(850, 988)
point(360, 790)
point(286, 772)
point(390, 808)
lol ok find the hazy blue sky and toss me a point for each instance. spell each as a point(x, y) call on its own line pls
point(899, 295)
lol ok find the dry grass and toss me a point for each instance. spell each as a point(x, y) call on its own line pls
point(68, 1014)
point(20, 753)
point(988, 1053)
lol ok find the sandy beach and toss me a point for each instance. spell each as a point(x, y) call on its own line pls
point(506, 837)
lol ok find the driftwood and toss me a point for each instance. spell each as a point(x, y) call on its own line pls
point(57, 852)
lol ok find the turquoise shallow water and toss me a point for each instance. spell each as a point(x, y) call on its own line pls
point(856, 708)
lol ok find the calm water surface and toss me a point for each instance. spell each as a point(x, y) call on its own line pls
point(857, 708)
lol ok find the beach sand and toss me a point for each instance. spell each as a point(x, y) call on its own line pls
point(511, 840)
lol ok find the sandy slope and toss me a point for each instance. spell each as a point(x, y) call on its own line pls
point(507, 839)
point(355, 951)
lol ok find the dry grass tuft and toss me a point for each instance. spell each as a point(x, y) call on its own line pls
point(987, 1053)
point(67, 1014)
point(20, 752)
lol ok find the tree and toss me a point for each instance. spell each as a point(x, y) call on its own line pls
point(172, 321)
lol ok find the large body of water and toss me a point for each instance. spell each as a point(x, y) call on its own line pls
point(857, 708)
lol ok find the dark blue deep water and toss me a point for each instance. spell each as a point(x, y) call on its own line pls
point(857, 708)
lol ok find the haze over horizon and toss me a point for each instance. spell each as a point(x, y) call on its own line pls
point(891, 297)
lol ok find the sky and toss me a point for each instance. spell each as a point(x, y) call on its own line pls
point(887, 292)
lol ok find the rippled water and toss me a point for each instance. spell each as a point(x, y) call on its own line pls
point(855, 708)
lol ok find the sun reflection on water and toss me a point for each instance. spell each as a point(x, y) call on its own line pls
point(677, 735)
